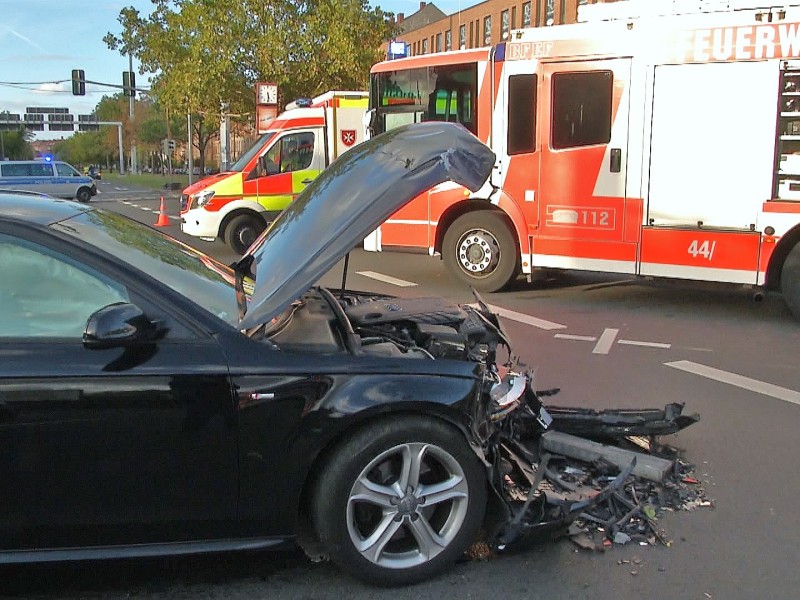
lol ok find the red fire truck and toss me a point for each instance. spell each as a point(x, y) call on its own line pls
point(639, 141)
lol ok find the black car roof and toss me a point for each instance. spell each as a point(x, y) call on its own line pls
point(38, 209)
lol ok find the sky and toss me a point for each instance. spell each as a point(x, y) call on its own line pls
point(41, 41)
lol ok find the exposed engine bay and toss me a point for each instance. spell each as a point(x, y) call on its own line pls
point(423, 328)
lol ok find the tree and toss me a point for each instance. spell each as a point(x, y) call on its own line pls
point(15, 144)
point(205, 54)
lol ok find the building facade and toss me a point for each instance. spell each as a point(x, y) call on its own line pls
point(481, 25)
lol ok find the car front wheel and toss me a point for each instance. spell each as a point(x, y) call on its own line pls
point(400, 501)
point(242, 231)
point(84, 194)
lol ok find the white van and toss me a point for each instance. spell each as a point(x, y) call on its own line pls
point(55, 178)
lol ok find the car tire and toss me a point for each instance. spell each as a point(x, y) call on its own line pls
point(242, 231)
point(84, 194)
point(480, 250)
point(790, 280)
point(400, 501)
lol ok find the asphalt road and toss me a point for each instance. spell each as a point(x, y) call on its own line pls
point(605, 342)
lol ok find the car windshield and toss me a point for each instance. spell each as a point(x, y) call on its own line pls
point(245, 158)
point(189, 272)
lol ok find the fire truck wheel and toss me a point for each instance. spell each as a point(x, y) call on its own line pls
point(480, 249)
point(243, 231)
point(790, 280)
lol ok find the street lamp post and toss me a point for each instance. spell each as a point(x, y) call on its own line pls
point(132, 100)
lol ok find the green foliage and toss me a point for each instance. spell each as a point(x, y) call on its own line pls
point(204, 53)
point(15, 145)
point(83, 148)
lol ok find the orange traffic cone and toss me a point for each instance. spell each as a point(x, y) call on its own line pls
point(163, 219)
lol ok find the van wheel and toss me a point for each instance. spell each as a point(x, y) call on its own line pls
point(84, 194)
point(480, 250)
point(242, 231)
point(400, 500)
point(790, 280)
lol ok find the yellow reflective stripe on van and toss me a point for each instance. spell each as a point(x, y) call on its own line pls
point(228, 186)
point(272, 202)
point(298, 177)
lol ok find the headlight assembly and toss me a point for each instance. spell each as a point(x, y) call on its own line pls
point(203, 198)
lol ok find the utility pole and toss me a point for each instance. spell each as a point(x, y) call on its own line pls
point(224, 137)
point(189, 146)
point(132, 101)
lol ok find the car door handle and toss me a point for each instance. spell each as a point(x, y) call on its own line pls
point(307, 181)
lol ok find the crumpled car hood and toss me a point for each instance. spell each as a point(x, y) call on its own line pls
point(350, 199)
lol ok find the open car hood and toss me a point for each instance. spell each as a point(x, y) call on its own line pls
point(354, 195)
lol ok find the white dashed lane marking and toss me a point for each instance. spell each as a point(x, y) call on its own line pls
point(740, 381)
point(575, 338)
point(644, 344)
point(606, 341)
point(387, 279)
point(523, 318)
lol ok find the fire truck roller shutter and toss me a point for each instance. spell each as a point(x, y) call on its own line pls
point(480, 249)
point(790, 280)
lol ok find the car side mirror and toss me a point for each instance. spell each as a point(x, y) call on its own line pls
point(120, 325)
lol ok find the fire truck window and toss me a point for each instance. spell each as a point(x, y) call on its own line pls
point(440, 93)
point(521, 113)
point(581, 109)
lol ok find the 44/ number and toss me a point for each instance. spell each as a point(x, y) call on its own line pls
point(704, 249)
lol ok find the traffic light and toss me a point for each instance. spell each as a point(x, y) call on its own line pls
point(129, 83)
point(171, 145)
point(78, 82)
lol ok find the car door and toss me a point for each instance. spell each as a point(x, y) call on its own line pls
point(105, 446)
point(292, 162)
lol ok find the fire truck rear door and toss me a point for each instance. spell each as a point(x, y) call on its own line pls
point(712, 149)
point(584, 113)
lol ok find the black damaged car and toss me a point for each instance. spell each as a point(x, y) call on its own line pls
point(156, 402)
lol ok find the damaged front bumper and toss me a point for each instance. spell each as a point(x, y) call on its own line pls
point(517, 463)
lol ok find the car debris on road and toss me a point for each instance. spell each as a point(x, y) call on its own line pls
point(557, 484)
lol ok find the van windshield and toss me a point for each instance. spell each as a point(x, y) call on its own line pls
point(245, 158)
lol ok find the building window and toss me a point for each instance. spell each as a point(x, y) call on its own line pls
point(462, 37)
point(438, 42)
point(521, 114)
point(471, 39)
point(539, 12)
point(504, 25)
point(425, 46)
point(550, 12)
point(448, 40)
point(526, 14)
point(487, 31)
point(581, 109)
point(513, 17)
